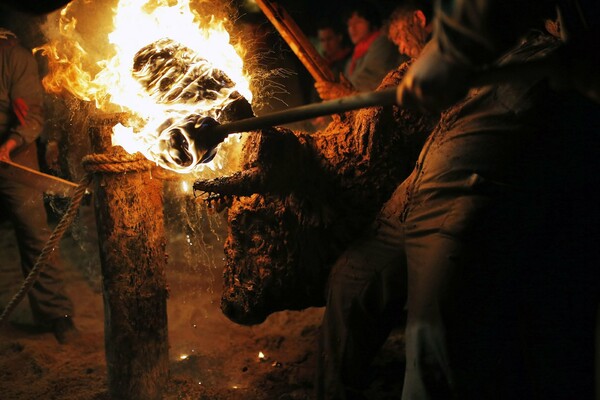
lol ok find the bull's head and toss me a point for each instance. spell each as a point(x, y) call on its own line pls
point(277, 255)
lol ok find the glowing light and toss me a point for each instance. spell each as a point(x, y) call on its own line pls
point(185, 187)
point(183, 356)
point(149, 37)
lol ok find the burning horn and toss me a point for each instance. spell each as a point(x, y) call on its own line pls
point(189, 142)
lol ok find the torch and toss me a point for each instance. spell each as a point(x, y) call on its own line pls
point(204, 134)
point(195, 140)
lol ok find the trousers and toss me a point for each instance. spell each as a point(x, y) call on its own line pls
point(492, 245)
point(25, 208)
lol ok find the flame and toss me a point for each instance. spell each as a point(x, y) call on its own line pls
point(200, 71)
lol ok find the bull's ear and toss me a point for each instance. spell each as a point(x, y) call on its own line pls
point(36, 7)
point(420, 19)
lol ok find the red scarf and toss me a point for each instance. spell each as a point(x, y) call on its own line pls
point(361, 48)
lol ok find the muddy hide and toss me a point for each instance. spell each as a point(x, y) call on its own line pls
point(301, 199)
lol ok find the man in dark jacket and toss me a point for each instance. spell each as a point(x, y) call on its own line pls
point(493, 240)
point(21, 122)
point(469, 36)
point(500, 228)
point(502, 261)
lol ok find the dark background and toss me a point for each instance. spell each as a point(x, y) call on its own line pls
point(307, 12)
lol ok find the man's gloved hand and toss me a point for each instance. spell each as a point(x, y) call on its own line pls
point(433, 82)
point(334, 90)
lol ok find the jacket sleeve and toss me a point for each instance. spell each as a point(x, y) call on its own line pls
point(26, 96)
point(477, 32)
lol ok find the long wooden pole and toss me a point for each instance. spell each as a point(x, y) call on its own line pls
point(35, 179)
point(129, 215)
point(525, 71)
point(297, 40)
point(361, 100)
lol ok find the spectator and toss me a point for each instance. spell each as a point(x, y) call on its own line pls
point(372, 58)
point(334, 45)
point(410, 27)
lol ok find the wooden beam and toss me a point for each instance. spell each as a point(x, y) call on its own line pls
point(298, 42)
point(131, 236)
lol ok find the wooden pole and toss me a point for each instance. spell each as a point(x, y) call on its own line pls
point(297, 40)
point(384, 97)
point(129, 215)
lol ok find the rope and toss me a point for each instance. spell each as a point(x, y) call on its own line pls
point(118, 163)
point(51, 244)
point(92, 163)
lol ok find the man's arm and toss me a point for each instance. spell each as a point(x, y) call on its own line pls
point(469, 35)
point(26, 95)
point(477, 32)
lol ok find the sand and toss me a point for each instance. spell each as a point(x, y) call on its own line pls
point(210, 356)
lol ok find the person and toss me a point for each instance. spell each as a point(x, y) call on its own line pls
point(553, 271)
point(372, 58)
point(499, 272)
point(334, 45)
point(470, 35)
point(367, 285)
point(21, 122)
point(491, 242)
point(410, 27)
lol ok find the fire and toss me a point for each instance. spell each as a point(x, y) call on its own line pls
point(164, 67)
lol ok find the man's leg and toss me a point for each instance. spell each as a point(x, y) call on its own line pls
point(47, 296)
point(367, 293)
point(462, 336)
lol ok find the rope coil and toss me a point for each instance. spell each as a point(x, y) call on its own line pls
point(116, 163)
point(92, 163)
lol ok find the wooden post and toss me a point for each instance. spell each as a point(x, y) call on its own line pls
point(129, 215)
point(297, 40)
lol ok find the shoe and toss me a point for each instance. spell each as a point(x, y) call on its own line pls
point(64, 329)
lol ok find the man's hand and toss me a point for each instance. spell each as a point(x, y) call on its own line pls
point(6, 148)
point(433, 82)
point(334, 90)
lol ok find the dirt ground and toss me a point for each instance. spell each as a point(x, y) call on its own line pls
point(210, 356)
